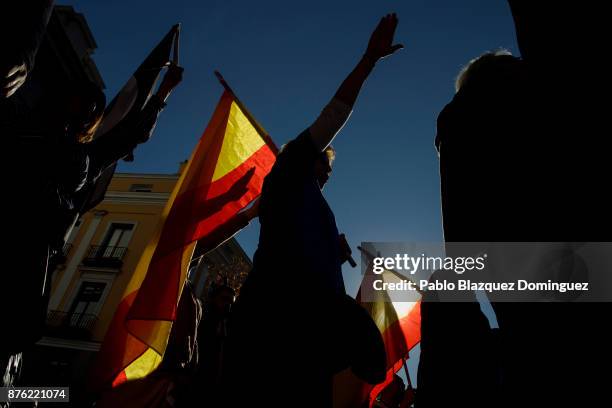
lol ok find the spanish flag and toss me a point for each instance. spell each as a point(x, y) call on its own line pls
point(400, 326)
point(398, 322)
point(224, 174)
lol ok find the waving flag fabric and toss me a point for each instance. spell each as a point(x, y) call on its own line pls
point(398, 322)
point(224, 174)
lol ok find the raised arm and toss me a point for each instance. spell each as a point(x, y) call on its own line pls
point(121, 141)
point(226, 231)
point(335, 114)
point(23, 27)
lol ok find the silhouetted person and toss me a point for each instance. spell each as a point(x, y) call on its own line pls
point(22, 29)
point(289, 324)
point(205, 383)
point(457, 361)
point(519, 162)
point(481, 146)
point(50, 162)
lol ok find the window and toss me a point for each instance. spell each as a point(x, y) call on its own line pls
point(118, 235)
point(112, 249)
point(83, 308)
point(141, 188)
point(88, 296)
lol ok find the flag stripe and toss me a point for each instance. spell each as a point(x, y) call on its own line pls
point(245, 141)
point(120, 348)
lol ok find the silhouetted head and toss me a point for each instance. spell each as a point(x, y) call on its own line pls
point(323, 165)
point(485, 69)
point(83, 107)
point(477, 139)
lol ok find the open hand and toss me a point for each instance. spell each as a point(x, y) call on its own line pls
point(381, 40)
point(241, 186)
point(11, 78)
point(173, 77)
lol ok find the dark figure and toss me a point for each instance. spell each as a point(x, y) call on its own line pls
point(212, 341)
point(21, 32)
point(557, 41)
point(457, 366)
point(457, 356)
point(50, 163)
point(293, 325)
point(520, 162)
point(22, 29)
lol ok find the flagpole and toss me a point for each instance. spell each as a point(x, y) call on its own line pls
point(246, 112)
point(407, 373)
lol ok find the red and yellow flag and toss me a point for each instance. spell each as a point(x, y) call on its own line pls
point(400, 326)
point(224, 174)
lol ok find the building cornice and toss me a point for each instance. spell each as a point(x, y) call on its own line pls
point(128, 197)
point(146, 176)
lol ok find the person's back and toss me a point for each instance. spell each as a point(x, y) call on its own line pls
point(486, 156)
point(298, 227)
point(487, 150)
point(510, 161)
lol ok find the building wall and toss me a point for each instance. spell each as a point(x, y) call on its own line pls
point(139, 208)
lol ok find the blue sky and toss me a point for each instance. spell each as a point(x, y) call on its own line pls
point(285, 60)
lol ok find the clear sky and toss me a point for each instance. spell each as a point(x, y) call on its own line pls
point(285, 60)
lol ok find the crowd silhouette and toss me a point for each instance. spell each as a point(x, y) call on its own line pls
point(524, 129)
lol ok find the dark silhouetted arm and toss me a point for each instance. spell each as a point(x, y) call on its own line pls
point(23, 27)
point(335, 114)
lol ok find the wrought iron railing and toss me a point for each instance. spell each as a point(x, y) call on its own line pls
point(108, 256)
point(70, 325)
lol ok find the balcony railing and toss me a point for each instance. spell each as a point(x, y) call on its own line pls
point(105, 256)
point(70, 325)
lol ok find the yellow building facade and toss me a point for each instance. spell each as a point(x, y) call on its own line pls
point(96, 265)
point(104, 248)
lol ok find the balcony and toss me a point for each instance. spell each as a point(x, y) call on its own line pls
point(70, 325)
point(105, 256)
